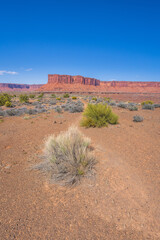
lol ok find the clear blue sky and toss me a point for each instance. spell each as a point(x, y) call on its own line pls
point(105, 39)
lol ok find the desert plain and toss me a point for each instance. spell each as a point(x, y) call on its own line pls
point(120, 201)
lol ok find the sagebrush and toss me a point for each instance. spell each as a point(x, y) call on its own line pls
point(67, 157)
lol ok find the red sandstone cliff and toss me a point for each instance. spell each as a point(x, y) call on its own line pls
point(69, 83)
point(4, 87)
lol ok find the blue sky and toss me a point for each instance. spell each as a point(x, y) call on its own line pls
point(105, 39)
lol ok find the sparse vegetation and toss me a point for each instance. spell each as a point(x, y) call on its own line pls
point(58, 98)
point(8, 104)
point(66, 95)
point(58, 109)
point(41, 95)
point(32, 96)
point(147, 102)
point(94, 99)
point(133, 108)
point(74, 98)
point(98, 115)
point(148, 106)
point(68, 157)
point(5, 98)
point(137, 118)
point(23, 98)
point(53, 95)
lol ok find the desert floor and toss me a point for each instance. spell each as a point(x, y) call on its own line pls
point(122, 201)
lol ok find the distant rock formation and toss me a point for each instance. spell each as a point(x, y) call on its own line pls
point(62, 83)
point(4, 87)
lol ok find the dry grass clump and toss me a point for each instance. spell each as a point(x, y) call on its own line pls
point(98, 115)
point(68, 157)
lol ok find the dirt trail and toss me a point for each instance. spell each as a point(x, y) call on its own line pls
point(121, 202)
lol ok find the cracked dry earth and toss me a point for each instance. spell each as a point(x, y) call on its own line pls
point(121, 202)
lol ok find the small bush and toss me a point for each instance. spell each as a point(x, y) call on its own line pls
point(58, 109)
point(32, 96)
point(41, 95)
point(66, 95)
point(53, 95)
point(156, 105)
point(98, 116)
point(148, 106)
point(122, 105)
point(23, 98)
point(94, 99)
point(107, 99)
point(68, 157)
point(5, 98)
point(137, 118)
point(8, 104)
point(133, 108)
point(74, 98)
point(147, 102)
point(58, 98)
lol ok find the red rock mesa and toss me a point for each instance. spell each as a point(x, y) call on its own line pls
point(67, 83)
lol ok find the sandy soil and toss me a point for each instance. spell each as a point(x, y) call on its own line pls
point(121, 202)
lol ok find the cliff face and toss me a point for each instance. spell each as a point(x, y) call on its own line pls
point(55, 79)
point(19, 87)
point(82, 84)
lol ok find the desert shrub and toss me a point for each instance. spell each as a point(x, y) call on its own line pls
point(66, 95)
point(53, 102)
point(32, 96)
point(137, 118)
point(156, 105)
point(107, 99)
point(41, 95)
point(31, 111)
point(58, 109)
point(133, 108)
point(112, 103)
point(23, 98)
point(148, 106)
point(74, 98)
point(98, 115)
point(58, 98)
point(5, 98)
point(8, 104)
point(122, 105)
point(73, 107)
point(2, 113)
point(94, 99)
point(68, 157)
point(147, 102)
point(53, 95)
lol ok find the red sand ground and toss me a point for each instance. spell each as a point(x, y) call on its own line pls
point(121, 202)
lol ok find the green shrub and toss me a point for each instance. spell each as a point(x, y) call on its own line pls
point(32, 96)
point(41, 95)
point(8, 104)
point(74, 98)
point(53, 95)
point(98, 115)
point(107, 99)
point(58, 98)
point(68, 157)
point(23, 98)
point(5, 98)
point(147, 102)
point(94, 99)
point(66, 95)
